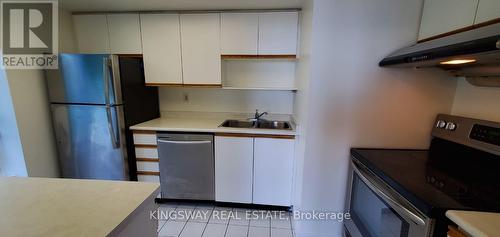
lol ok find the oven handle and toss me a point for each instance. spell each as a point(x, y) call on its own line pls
point(395, 204)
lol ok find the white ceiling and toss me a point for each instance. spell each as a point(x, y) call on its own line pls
point(151, 5)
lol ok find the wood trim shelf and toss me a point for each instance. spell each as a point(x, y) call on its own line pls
point(260, 88)
point(130, 55)
point(164, 84)
point(147, 159)
point(155, 173)
point(203, 85)
point(455, 232)
point(486, 23)
point(242, 56)
point(143, 132)
point(145, 146)
point(255, 135)
point(185, 85)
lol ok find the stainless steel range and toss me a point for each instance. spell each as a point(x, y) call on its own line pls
point(406, 193)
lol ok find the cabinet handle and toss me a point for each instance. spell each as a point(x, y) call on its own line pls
point(184, 142)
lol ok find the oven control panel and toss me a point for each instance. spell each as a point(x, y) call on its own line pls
point(480, 134)
point(486, 134)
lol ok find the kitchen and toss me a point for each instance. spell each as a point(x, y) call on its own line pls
point(325, 83)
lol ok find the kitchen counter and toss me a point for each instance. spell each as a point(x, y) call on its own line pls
point(209, 125)
point(477, 224)
point(72, 207)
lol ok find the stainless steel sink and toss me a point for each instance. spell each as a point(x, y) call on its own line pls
point(274, 125)
point(264, 124)
point(238, 124)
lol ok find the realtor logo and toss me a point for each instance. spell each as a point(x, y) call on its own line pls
point(29, 34)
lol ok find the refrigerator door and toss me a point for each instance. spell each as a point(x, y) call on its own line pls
point(90, 141)
point(85, 79)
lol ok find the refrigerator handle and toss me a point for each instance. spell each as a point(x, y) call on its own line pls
point(114, 69)
point(115, 139)
point(105, 77)
point(111, 80)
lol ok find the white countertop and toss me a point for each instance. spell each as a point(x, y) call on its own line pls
point(477, 224)
point(203, 125)
point(68, 207)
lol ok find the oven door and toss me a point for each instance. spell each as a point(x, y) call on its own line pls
point(379, 211)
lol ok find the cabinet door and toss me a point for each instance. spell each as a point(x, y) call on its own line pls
point(124, 33)
point(278, 33)
point(273, 171)
point(442, 16)
point(91, 33)
point(161, 46)
point(201, 63)
point(487, 10)
point(239, 33)
point(233, 169)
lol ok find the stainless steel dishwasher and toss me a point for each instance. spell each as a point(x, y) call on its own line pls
point(187, 166)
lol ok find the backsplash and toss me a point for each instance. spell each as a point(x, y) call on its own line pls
point(476, 102)
point(220, 100)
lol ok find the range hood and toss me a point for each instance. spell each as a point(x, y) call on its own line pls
point(473, 54)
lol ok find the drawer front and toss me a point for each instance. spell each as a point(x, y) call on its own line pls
point(148, 178)
point(144, 139)
point(148, 166)
point(141, 152)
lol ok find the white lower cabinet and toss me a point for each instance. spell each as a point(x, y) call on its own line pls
point(148, 166)
point(233, 169)
point(273, 171)
point(148, 178)
point(254, 170)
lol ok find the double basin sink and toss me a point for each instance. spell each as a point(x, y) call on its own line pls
point(264, 124)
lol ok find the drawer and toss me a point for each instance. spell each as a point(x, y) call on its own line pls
point(145, 139)
point(148, 178)
point(143, 152)
point(148, 166)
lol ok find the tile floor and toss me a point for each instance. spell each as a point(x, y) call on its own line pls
point(203, 220)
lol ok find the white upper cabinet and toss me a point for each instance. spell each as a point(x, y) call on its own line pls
point(124, 33)
point(161, 46)
point(273, 171)
point(91, 33)
point(201, 62)
point(487, 10)
point(233, 169)
point(278, 33)
point(239, 33)
point(442, 16)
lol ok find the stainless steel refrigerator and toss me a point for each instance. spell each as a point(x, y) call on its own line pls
point(94, 99)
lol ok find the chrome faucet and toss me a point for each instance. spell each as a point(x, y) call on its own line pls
point(257, 115)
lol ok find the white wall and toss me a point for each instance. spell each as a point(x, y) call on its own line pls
point(219, 100)
point(11, 151)
point(354, 103)
point(303, 74)
point(31, 106)
point(28, 93)
point(477, 102)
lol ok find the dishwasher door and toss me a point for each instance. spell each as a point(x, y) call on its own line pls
point(187, 166)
